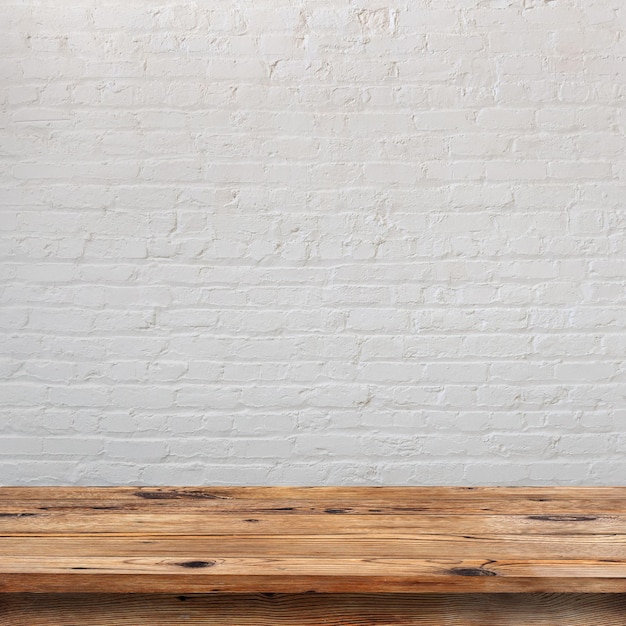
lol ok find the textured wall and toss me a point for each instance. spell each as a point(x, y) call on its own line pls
point(297, 241)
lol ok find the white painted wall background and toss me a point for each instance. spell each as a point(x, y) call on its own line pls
point(313, 242)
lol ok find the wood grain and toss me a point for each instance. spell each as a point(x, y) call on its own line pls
point(292, 540)
point(176, 523)
point(314, 493)
point(314, 609)
point(536, 547)
point(306, 500)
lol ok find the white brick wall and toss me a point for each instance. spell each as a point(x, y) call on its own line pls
point(313, 241)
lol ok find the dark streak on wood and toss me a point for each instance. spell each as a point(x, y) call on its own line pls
point(471, 571)
point(178, 495)
point(196, 564)
point(563, 518)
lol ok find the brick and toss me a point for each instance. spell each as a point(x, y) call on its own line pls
point(20, 445)
point(136, 450)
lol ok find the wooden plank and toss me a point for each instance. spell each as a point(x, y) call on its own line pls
point(312, 493)
point(315, 609)
point(189, 584)
point(200, 523)
point(352, 506)
point(362, 500)
point(199, 573)
point(485, 547)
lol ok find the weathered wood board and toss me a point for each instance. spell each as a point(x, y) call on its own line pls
point(198, 540)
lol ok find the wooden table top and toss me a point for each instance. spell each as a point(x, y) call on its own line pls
point(322, 539)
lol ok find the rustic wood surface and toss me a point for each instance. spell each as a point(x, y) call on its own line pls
point(323, 539)
point(314, 610)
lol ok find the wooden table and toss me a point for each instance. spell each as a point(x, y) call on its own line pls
point(372, 555)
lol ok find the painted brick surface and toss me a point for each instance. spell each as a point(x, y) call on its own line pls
point(313, 242)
